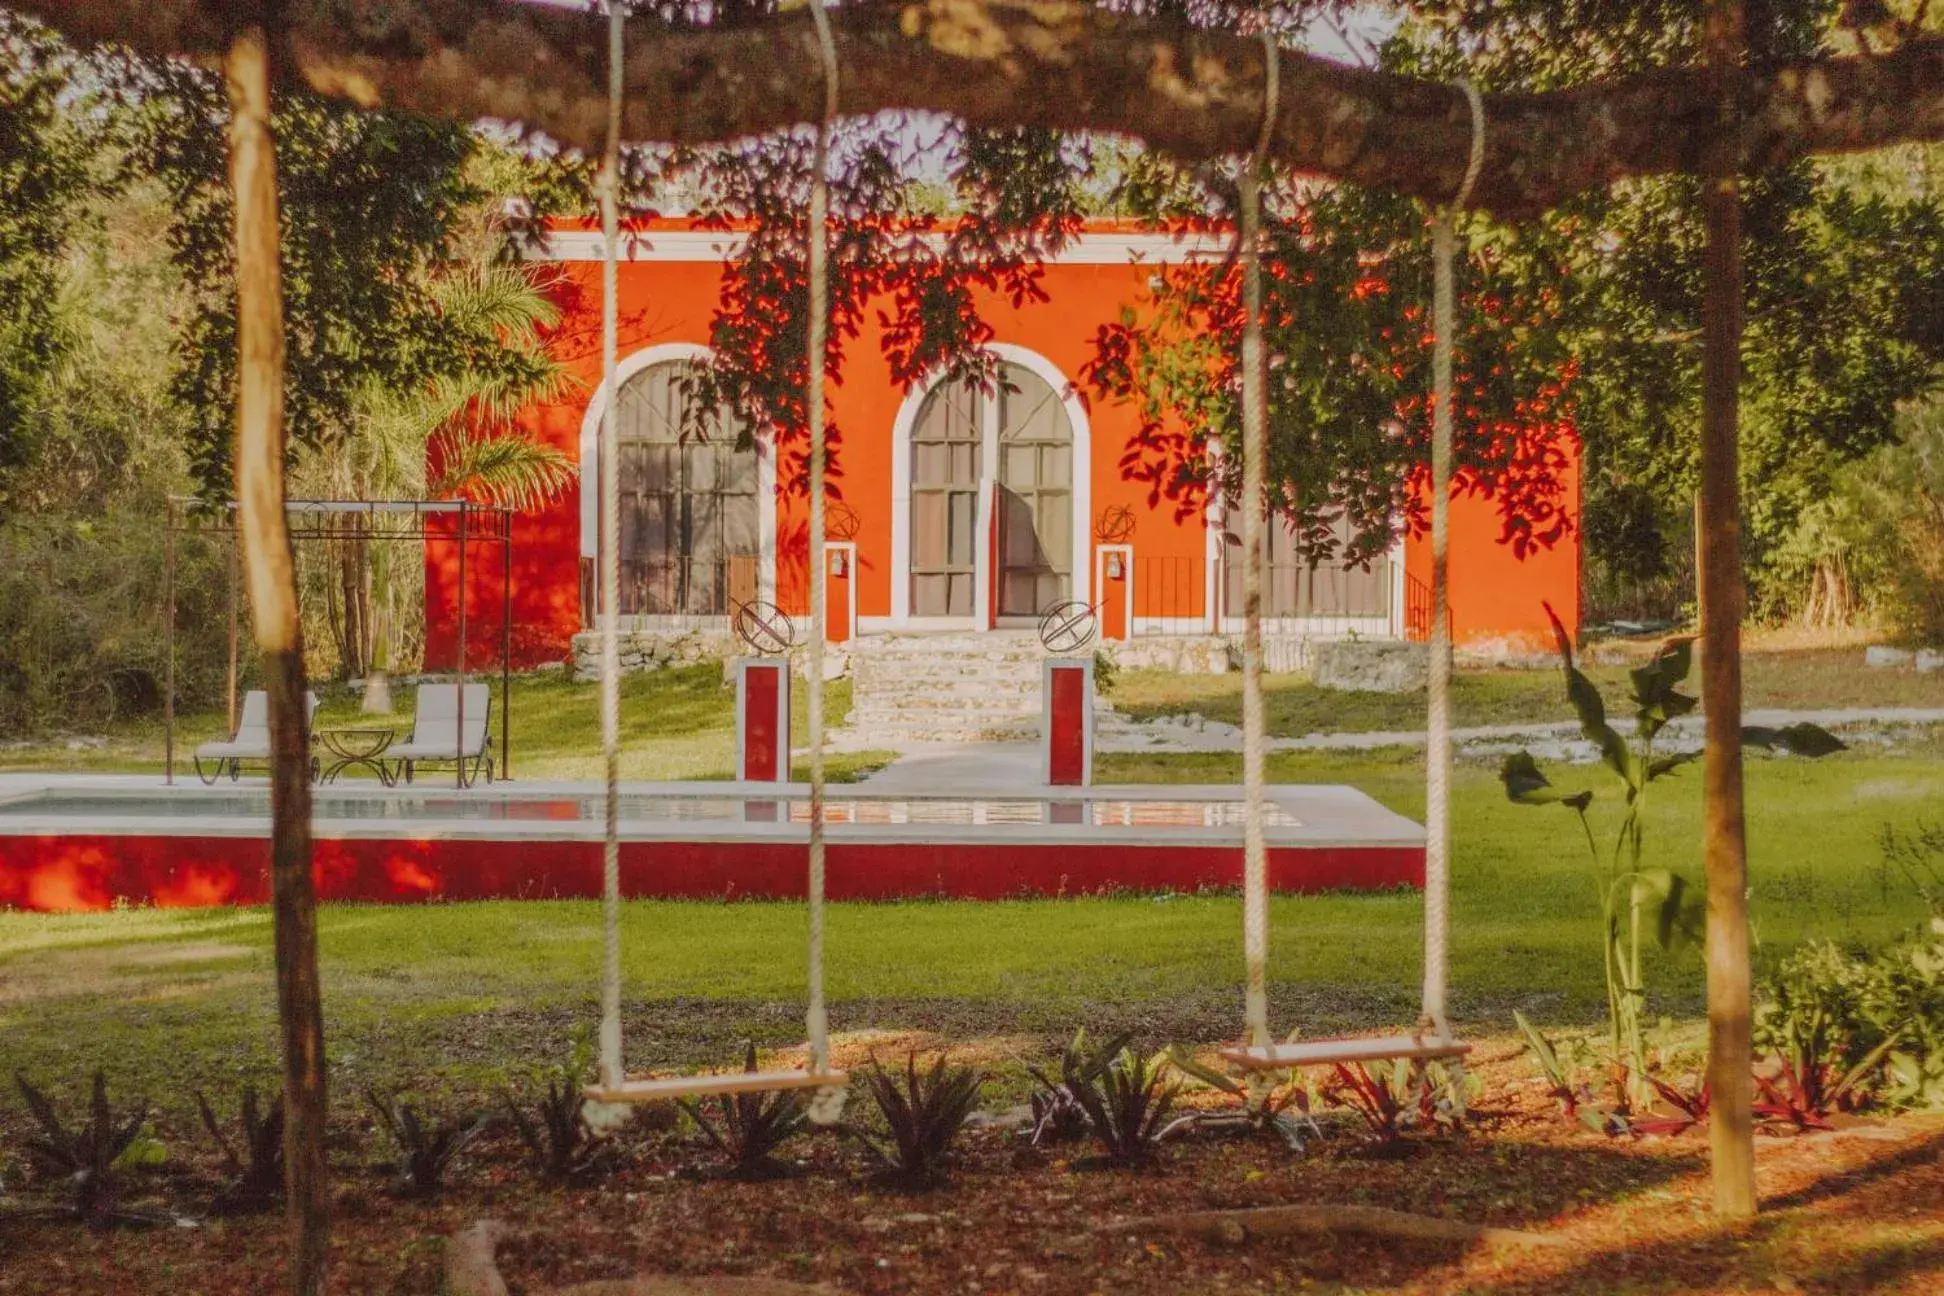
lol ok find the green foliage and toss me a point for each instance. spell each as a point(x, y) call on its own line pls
point(366, 198)
point(749, 1128)
point(91, 1157)
point(425, 1148)
point(1849, 1027)
point(1632, 897)
point(256, 1172)
point(1266, 1108)
point(1398, 1097)
point(1125, 1096)
point(924, 1112)
point(553, 1123)
point(47, 168)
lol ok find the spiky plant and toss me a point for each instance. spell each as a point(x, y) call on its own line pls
point(92, 1156)
point(554, 1127)
point(255, 1163)
point(426, 1150)
point(1126, 1097)
point(748, 1128)
point(924, 1112)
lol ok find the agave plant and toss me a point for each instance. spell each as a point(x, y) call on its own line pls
point(554, 1127)
point(255, 1163)
point(1635, 900)
point(924, 1112)
point(93, 1156)
point(1126, 1096)
point(748, 1128)
point(426, 1149)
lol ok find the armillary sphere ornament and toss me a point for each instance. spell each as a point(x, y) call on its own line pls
point(1116, 525)
point(1068, 627)
point(764, 628)
point(840, 520)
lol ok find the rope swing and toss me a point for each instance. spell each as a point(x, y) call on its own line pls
point(1255, 503)
point(827, 1102)
point(609, 185)
point(1432, 1037)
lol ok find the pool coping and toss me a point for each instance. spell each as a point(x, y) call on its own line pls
point(1330, 816)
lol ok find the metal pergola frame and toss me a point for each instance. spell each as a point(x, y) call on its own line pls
point(313, 519)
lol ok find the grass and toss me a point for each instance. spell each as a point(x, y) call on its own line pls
point(1796, 679)
point(675, 724)
point(462, 994)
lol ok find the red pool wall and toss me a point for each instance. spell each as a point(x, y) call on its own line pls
point(84, 873)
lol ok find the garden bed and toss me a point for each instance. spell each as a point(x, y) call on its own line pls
point(1857, 1210)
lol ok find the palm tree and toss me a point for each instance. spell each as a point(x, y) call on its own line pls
point(457, 436)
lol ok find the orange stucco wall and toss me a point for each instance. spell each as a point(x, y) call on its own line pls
point(1495, 594)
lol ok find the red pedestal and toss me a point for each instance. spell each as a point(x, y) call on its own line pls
point(1067, 727)
point(840, 592)
point(763, 719)
point(1114, 591)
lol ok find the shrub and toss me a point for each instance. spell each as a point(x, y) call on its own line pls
point(93, 1156)
point(749, 1127)
point(426, 1150)
point(1397, 1097)
point(924, 1111)
point(256, 1173)
point(1265, 1109)
point(1125, 1096)
point(554, 1124)
point(1848, 1028)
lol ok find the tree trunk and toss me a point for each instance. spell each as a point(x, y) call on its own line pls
point(1725, 847)
point(279, 634)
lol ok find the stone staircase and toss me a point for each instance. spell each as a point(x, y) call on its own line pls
point(921, 688)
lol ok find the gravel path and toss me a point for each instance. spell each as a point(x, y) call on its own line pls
point(1558, 740)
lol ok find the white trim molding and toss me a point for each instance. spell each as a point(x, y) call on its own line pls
point(590, 462)
point(1100, 247)
point(1082, 485)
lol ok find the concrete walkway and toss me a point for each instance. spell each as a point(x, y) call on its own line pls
point(941, 768)
point(1016, 766)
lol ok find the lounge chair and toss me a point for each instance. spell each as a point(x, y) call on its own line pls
point(437, 739)
point(250, 742)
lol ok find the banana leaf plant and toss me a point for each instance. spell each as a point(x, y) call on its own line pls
point(1635, 900)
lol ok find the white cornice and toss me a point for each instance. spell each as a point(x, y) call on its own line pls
point(726, 245)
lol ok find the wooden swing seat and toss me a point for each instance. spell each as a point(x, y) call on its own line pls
point(665, 1088)
point(1326, 1052)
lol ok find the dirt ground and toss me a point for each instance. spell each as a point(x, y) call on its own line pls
point(1859, 1209)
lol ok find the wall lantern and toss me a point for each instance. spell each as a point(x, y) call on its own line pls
point(839, 561)
point(1115, 568)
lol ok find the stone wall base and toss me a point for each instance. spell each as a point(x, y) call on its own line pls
point(653, 650)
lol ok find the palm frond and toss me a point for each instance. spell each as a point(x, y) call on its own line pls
point(508, 470)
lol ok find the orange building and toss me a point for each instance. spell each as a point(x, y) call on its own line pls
point(961, 510)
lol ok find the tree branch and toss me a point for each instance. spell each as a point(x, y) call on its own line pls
point(1195, 94)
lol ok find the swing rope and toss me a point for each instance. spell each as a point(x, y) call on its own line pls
point(1437, 774)
point(817, 1019)
point(609, 185)
point(1255, 450)
point(1257, 1053)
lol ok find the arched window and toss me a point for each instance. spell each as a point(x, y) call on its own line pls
point(691, 540)
point(1025, 422)
point(1035, 495)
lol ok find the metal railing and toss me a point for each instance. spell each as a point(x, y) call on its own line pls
point(1201, 596)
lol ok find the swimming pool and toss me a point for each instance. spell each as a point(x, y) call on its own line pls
point(88, 842)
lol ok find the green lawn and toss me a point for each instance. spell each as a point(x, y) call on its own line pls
point(1806, 679)
point(675, 724)
point(463, 995)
